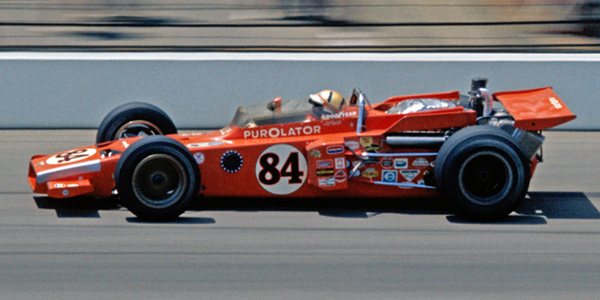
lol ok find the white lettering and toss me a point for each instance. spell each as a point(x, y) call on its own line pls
point(555, 103)
point(339, 115)
point(274, 132)
point(281, 132)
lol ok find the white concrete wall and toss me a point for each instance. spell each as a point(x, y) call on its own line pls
point(202, 90)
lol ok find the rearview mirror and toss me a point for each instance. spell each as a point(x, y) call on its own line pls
point(275, 105)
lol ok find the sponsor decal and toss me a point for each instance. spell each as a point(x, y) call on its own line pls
point(365, 140)
point(373, 148)
point(432, 164)
point(389, 176)
point(352, 145)
point(328, 181)
point(341, 114)
point(340, 176)
point(62, 185)
point(400, 163)
point(277, 132)
point(421, 162)
point(315, 153)
point(335, 149)
point(340, 163)
point(354, 173)
point(333, 123)
point(206, 144)
point(199, 157)
point(71, 156)
point(409, 174)
point(324, 164)
point(387, 162)
point(370, 173)
point(231, 161)
point(281, 169)
point(324, 172)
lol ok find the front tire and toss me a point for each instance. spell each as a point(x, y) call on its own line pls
point(134, 119)
point(482, 171)
point(157, 178)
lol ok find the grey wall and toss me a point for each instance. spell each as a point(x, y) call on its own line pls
point(202, 90)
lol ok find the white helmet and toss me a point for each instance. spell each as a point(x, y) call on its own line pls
point(333, 98)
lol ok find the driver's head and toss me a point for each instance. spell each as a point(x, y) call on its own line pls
point(331, 97)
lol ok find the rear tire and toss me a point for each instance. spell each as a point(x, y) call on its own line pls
point(134, 119)
point(482, 171)
point(157, 178)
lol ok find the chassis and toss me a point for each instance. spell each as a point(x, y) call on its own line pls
point(478, 157)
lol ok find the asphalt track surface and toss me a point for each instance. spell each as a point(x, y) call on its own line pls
point(79, 249)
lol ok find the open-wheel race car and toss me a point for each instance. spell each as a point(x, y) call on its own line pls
point(459, 147)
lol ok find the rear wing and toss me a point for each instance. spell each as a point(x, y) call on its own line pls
point(535, 109)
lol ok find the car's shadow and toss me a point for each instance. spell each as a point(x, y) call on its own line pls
point(535, 210)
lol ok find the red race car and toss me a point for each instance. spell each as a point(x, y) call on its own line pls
point(477, 157)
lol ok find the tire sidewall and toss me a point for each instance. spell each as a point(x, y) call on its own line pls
point(133, 111)
point(452, 158)
point(130, 160)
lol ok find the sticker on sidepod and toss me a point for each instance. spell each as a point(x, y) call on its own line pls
point(231, 161)
point(315, 153)
point(199, 157)
point(324, 163)
point(410, 174)
point(370, 173)
point(352, 145)
point(400, 163)
point(365, 140)
point(340, 176)
point(387, 162)
point(340, 163)
point(327, 181)
point(421, 162)
point(373, 148)
point(335, 149)
point(389, 176)
point(71, 156)
point(281, 169)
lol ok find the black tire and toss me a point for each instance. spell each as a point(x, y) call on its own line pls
point(482, 171)
point(157, 178)
point(133, 119)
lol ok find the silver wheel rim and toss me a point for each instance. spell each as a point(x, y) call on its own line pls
point(159, 181)
point(485, 178)
point(137, 128)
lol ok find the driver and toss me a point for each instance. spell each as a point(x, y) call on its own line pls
point(326, 102)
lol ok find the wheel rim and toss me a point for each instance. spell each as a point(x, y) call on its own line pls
point(159, 181)
point(485, 178)
point(137, 128)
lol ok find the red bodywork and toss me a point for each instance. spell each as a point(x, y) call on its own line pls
point(303, 159)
